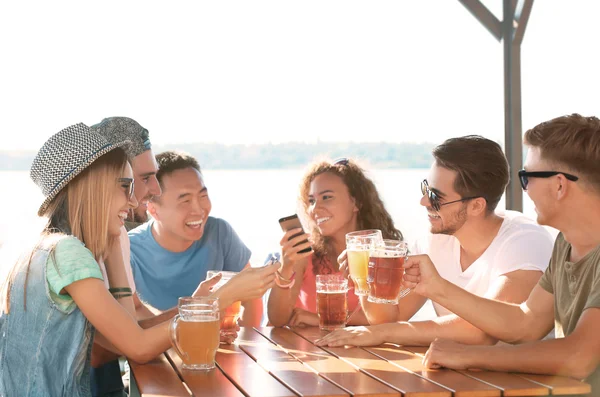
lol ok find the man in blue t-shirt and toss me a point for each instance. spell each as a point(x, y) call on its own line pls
point(171, 254)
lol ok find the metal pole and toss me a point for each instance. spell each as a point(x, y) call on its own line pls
point(511, 31)
point(513, 129)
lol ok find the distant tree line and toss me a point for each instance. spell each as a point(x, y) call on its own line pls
point(273, 156)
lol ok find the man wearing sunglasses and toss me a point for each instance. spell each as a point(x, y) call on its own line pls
point(562, 177)
point(497, 255)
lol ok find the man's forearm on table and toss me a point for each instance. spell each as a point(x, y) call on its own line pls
point(551, 357)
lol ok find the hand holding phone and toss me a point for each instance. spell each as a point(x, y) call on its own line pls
point(292, 222)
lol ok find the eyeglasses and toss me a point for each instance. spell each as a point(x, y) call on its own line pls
point(434, 198)
point(128, 184)
point(525, 175)
point(341, 161)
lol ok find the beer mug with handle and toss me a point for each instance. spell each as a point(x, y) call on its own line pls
point(386, 271)
point(195, 332)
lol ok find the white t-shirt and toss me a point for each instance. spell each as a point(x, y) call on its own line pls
point(521, 244)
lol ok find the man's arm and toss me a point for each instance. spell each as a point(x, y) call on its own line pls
point(577, 355)
point(378, 313)
point(508, 322)
point(513, 287)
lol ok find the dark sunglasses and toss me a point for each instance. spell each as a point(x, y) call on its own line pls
point(525, 175)
point(128, 184)
point(434, 198)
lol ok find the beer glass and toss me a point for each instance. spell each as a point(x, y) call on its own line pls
point(232, 313)
point(386, 272)
point(358, 245)
point(195, 332)
point(332, 302)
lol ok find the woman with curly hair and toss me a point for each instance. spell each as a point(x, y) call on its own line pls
point(336, 198)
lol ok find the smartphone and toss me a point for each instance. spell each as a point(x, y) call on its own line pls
point(292, 222)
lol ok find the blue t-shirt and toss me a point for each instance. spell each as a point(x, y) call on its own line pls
point(162, 276)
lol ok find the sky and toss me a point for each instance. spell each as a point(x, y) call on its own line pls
point(278, 71)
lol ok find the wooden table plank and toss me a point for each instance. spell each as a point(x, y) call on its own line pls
point(459, 384)
point(204, 383)
point(339, 372)
point(248, 375)
point(289, 371)
point(511, 385)
point(560, 385)
point(408, 383)
point(157, 378)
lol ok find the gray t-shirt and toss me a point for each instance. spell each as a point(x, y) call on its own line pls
point(576, 287)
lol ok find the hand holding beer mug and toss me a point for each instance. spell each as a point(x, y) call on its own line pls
point(195, 332)
point(332, 301)
point(358, 245)
point(386, 271)
point(232, 313)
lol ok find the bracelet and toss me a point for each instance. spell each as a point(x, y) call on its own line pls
point(281, 278)
point(286, 283)
point(122, 295)
point(121, 289)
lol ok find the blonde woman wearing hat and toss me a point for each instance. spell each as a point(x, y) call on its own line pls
point(56, 295)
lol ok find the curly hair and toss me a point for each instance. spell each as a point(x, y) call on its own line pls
point(371, 211)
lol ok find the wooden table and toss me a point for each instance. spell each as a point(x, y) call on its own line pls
point(280, 362)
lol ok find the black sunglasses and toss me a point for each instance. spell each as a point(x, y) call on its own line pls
point(128, 184)
point(525, 175)
point(434, 198)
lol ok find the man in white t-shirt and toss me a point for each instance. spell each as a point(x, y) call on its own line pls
point(498, 255)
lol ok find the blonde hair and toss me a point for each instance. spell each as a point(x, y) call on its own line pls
point(80, 209)
point(371, 210)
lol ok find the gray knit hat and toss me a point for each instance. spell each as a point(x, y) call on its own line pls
point(64, 156)
point(118, 129)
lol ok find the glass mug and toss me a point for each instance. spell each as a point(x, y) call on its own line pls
point(232, 313)
point(386, 272)
point(358, 245)
point(195, 332)
point(332, 301)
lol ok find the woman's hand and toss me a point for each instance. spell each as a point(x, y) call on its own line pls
point(343, 263)
point(290, 252)
point(303, 318)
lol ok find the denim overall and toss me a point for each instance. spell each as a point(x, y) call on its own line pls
point(44, 351)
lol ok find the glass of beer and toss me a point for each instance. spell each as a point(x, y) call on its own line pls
point(195, 332)
point(332, 302)
point(386, 272)
point(358, 245)
point(232, 313)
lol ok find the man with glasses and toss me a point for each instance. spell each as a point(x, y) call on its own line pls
point(562, 177)
point(499, 255)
